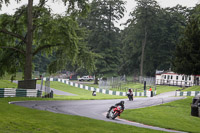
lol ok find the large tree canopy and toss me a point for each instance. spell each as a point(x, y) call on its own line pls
point(103, 37)
point(32, 30)
point(151, 36)
point(146, 44)
point(187, 52)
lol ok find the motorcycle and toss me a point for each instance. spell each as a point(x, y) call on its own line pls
point(130, 97)
point(114, 112)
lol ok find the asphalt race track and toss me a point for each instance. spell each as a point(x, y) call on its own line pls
point(97, 109)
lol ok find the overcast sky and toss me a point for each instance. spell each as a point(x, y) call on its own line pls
point(163, 3)
point(58, 7)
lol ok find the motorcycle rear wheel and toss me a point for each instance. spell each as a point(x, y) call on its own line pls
point(108, 115)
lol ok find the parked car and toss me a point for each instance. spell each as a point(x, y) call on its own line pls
point(85, 78)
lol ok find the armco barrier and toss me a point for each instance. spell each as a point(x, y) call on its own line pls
point(187, 93)
point(12, 92)
point(104, 91)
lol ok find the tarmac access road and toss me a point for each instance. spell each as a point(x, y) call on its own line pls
point(97, 109)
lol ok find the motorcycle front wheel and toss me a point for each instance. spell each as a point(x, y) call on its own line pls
point(108, 115)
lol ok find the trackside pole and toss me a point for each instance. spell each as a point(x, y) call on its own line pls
point(41, 84)
point(144, 85)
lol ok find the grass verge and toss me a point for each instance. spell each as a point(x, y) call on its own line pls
point(174, 115)
point(16, 119)
point(81, 93)
point(163, 88)
point(7, 84)
point(7, 76)
point(140, 87)
point(193, 88)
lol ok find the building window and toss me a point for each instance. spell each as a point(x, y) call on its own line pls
point(168, 77)
point(182, 77)
point(176, 77)
point(165, 77)
point(171, 77)
point(189, 78)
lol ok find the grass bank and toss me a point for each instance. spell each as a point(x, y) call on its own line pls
point(7, 84)
point(18, 76)
point(163, 88)
point(16, 119)
point(81, 93)
point(174, 115)
point(140, 87)
point(193, 88)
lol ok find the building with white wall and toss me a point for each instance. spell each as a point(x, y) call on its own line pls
point(174, 79)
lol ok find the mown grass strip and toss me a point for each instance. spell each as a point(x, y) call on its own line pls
point(82, 94)
point(7, 84)
point(164, 88)
point(140, 87)
point(18, 76)
point(17, 119)
point(174, 115)
point(193, 88)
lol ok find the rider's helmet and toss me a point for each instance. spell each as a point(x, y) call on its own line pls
point(122, 102)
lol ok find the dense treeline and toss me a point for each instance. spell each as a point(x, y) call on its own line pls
point(147, 43)
point(151, 37)
point(154, 38)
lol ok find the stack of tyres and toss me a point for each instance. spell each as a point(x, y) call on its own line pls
point(1, 92)
point(199, 111)
point(195, 106)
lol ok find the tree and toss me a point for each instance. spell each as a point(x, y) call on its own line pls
point(187, 52)
point(164, 27)
point(103, 37)
point(141, 24)
point(32, 29)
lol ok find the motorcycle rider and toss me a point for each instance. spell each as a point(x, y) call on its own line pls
point(130, 94)
point(121, 103)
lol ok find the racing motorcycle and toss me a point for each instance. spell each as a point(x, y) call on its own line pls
point(114, 112)
point(130, 97)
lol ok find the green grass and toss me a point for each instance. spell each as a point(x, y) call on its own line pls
point(92, 85)
point(19, 76)
point(193, 88)
point(174, 115)
point(140, 87)
point(8, 76)
point(162, 88)
point(17, 119)
point(123, 86)
point(81, 93)
point(7, 84)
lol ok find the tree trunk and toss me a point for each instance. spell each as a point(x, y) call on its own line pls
point(28, 61)
point(96, 80)
point(143, 50)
